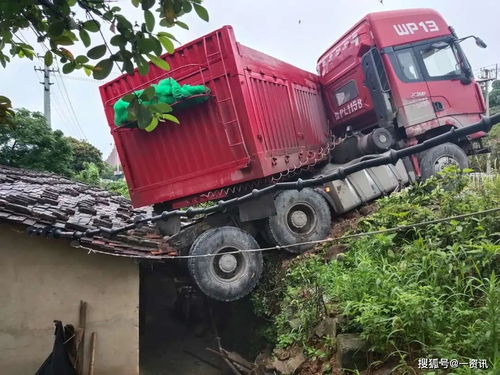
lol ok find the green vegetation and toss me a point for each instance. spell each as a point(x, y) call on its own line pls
point(29, 142)
point(116, 186)
point(428, 292)
point(84, 152)
point(494, 100)
point(89, 175)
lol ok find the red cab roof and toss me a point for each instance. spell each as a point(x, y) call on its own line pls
point(395, 27)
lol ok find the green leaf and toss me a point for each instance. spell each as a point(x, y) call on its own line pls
point(165, 23)
point(159, 62)
point(97, 52)
point(142, 65)
point(182, 24)
point(128, 98)
point(123, 22)
point(170, 117)
point(148, 94)
point(152, 125)
point(91, 25)
point(133, 108)
point(5, 101)
point(108, 16)
point(201, 12)
point(68, 68)
point(166, 43)
point(186, 7)
point(70, 34)
point(117, 40)
point(144, 117)
point(103, 68)
point(157, 48)
point(160, 108)
point(128, 66)
point(48, 59)
point(84, 37)
point(145, 45)
point(136, 3)
point(81, 59)
point(88, 70)
point(168, 35)
point(63, 40)
point(150, 20)
point(56, 28)
point(146, 4)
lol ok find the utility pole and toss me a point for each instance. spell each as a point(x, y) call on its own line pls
point(46, 89)
point(488, 75)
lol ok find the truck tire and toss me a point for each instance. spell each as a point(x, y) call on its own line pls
point(435, 159)
point(225, 277)
point(301, 216)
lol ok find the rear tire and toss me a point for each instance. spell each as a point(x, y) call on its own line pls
point(225, 277)
point(301, 216)
point(437, 158)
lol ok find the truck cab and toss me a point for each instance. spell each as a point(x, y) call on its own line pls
point(403, 71)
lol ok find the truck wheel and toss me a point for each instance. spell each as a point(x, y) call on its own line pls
point(225, 277)
point(437, 158)
point(301, 216)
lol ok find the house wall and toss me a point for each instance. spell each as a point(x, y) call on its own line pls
point(42, 280)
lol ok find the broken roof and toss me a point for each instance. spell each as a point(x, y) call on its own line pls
point(40, 200)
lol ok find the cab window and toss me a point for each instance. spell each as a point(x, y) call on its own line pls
point(440, 62)
point(346, 93)
point(408, 65)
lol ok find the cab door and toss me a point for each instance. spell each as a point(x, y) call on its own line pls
point(450, 93)
point(410, 91)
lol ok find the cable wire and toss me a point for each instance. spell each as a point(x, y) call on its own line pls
point(77, 122)
point(317, 242)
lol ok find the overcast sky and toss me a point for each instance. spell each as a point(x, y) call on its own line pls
point(271, 26)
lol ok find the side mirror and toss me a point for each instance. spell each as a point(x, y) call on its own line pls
point(480, 43)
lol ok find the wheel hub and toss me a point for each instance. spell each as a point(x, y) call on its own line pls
point(228, 263)
point(443, 162)
point(299, 219)
point(382, 138)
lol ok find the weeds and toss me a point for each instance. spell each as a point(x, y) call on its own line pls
point(431, 291)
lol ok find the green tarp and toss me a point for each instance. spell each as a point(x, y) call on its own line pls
point(167, 91)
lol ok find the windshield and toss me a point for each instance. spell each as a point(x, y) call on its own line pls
point(426, 62)
point(440, 61)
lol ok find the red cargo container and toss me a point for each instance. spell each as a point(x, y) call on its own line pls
point(264, 117)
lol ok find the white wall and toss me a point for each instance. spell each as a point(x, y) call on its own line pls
point(42, 280)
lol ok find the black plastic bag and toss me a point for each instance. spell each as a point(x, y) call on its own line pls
point(58, 362)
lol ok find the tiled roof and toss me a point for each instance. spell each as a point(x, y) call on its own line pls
point(41, 200)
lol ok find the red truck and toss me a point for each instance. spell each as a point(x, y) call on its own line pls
point(393, 80)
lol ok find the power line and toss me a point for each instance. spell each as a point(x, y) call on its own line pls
point(398, 228)
point(77, 122)
point(61, 110)
point(83, 79)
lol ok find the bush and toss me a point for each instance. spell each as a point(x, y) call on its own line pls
point(116, 186)
point(89, 175)
point(430, 291)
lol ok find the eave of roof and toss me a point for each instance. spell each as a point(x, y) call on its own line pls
point(42, 200)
